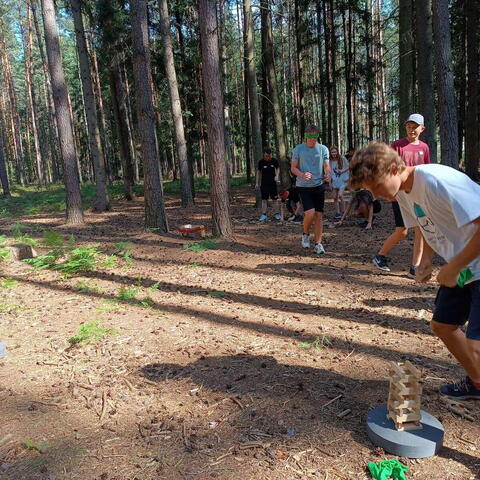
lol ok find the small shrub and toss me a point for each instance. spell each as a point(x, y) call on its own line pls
point(126, 294)
point(109, 261)
point(17, 229)
point(109, 305)
point(39, 447)
point(318, 343)
point(90, 332)
point(218, 294)
point(3, 239)
point(84, 287)
point(10, 307)
point(80, 259)
point(7, 282)
point(200, 246)
point(4, 253)
point(155, 286)
point(44, 261)
point(124, 250)
point(53, 239)
point(146, 302)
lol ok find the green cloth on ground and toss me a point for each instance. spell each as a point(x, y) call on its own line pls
point(465, 275)
point(387, 469)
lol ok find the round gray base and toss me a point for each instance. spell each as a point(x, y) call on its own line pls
point(420, 443)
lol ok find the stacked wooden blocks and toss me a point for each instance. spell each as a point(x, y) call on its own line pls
point(404, 396)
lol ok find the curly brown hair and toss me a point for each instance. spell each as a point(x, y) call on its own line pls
point(372, 163)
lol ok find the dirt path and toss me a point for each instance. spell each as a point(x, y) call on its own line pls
point(225, 369)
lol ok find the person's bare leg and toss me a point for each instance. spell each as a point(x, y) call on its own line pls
point(370, 217)
point(277, 205)
point(264, 207)
point(417, 247)
point(308, 218)
point(399, 234)
point(341, 201)
point(318, 227)
point(466, 351)
point(335, 201)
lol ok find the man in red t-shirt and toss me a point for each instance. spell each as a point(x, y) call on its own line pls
point(413, 152)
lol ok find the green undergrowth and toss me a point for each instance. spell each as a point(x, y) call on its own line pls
point(207, 244)
point(7, 282)
point(83, 286)
point(69, 259)
point(218, 294)
point(39, 447)
point(90, 332)
point(33, 200)
point(318, 344)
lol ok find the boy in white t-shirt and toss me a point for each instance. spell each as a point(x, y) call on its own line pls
point(445, 204)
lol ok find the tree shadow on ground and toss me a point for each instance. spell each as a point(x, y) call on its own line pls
point(261, 327)
point(291, 403)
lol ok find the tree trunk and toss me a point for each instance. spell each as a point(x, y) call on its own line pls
point(16, 124)
point(426, 97)
point(447, 110)
point(74, 213)
point(407, 61)
point(180, 142)
point(300, 28)
point(155, 216)
point(101, 203)
point(222, 225)
point(252, 84)
point(272, 80)
point(118, 95)
point(472, 142)
point(3, 168)
point(52, 124)
point(31, 97)
point(321, 73)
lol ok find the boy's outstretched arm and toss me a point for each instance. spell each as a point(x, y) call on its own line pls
point(449, 273)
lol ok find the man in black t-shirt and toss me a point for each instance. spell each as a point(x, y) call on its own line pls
point(267, 180)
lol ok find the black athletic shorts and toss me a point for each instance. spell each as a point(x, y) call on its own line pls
point(457, 305)
point(312, 197)
point(398, 215)
point(269, 190)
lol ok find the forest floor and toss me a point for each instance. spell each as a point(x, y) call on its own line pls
point(253, 360)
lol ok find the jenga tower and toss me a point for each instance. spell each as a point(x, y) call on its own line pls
point(404, 396)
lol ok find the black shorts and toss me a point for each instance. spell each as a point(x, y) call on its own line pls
point(312, 197)
point(377, 206)
point(459, 305)
point(269, 190)
point(398, 215)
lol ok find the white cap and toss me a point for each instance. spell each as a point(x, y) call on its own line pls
point(417, 118)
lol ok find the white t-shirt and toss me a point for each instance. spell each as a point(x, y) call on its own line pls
point(443, 202)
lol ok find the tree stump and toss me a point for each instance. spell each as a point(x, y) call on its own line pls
point(20, 252)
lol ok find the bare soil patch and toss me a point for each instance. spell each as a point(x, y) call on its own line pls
point(237, 365)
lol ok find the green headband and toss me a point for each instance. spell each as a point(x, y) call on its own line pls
point(311, 135)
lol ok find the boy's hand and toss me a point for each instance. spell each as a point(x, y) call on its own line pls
point(423, 273)
point(307, 176)
point(448, 276)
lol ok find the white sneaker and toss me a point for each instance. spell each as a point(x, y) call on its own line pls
point(305, 240)
point(277, 216)
point(263, 218)
point(319, 249)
